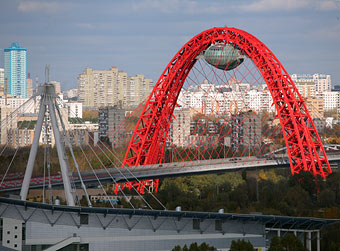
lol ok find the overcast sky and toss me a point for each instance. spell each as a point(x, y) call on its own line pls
point(140, 37)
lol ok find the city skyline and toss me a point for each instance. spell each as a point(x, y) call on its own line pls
point(142, 37)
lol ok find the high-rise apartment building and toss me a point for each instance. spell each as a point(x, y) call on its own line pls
point(246, 130)
point(99, 88)
point(20, 137)
point(211, 99)
point(331, 100)
point(315, 106)
point(140, 89)
point(75, 109)
point(180, 127)
point(15, 70)
point(29, 87)
point(110, 119)
point(15, 103)
point(2, 81)
point(306, 88)
point(322, 81)
point(8, 122)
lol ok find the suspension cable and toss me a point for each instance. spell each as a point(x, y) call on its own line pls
point(4, 122)
point(15, 153)
point(118, 169)
point(129, 171)
point(72, 154)
point(105, 170)
point(101, 185)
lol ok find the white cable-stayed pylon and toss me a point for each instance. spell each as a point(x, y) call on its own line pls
point(48, 102)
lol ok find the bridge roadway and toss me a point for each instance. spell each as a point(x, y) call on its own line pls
point(120, 174)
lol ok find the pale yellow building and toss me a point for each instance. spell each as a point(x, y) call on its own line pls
point(306, 88)
point(20, 137)
point(29, 83)
point(322, 82)
point(2, 81)
point(139, 89)
point(8, 121)
point(100, 88)
point(315, 107)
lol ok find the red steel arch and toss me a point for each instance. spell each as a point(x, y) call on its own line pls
point(304, 146)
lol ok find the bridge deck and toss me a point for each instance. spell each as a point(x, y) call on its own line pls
point(161, 170)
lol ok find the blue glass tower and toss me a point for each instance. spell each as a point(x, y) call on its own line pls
point(15, 70)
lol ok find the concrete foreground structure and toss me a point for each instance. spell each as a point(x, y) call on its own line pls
point(48, 227)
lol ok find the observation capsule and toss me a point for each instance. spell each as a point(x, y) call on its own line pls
point(223, 56)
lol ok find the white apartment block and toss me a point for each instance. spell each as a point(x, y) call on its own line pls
point(210, 99)
point(71, 93)
point(331, 100)
point(15, 103)
point(100, 88)
point(259, 101)
point(322, 81)
point(93, 127)
point(75, 109)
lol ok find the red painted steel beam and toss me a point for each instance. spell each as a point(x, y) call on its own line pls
point(304, 146)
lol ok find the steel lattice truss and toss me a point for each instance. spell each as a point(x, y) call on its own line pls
point(305, 149)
